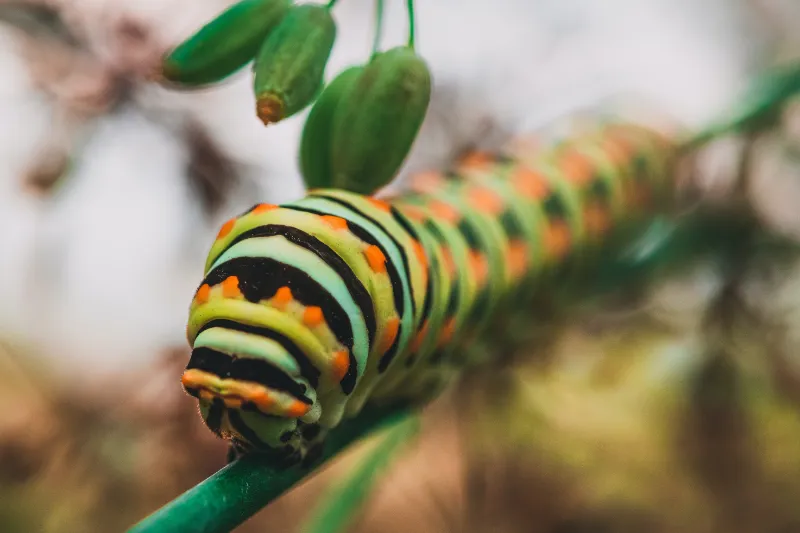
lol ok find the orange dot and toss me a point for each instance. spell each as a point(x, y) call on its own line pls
point(529, 183)
point(232, 403)
point(448, 330)
point(557, 239)
point(282, 297)
point(390, 333)
point(485, 200)
point(576, 168)
point(203, 293)
point(375, 258)
point(444, 211)
point(597, 219)
point(480, 266)
point(380, 204)
point(206, 395)
point(449, 262)
point(312, 316)
point(263, 208)
point(419, 250)
point(226, 228)
point(427, 182)
point(476, 160)
point(415, 213)
point(517, 258)
point(230, 287)
point(420, 337)
point(297, 409)
point(261, 398)
point(340, 364)
point(334, 222)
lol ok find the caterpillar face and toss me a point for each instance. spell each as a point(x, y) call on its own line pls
point(311, 309)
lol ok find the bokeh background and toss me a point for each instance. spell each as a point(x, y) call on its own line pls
point(112, 189)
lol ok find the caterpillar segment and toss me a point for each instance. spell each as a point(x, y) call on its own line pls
point(310, 310)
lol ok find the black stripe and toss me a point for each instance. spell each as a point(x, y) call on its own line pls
point(391, 270)
point(348, 382)
point(244, 430)
point(261, 277)
point(307, 369)
point(308, 242)
point(390, 354)
point(400, 249)
point(246, 369)
point(214, 418)
point(427, 303)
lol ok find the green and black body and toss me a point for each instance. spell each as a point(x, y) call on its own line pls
point(310, 310)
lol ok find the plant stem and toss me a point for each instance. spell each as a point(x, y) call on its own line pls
point(376, 40)
point(331, 3)
point(410, 4)
point(235, 493)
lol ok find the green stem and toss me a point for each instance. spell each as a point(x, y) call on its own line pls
point(332, 3)
point(410, 4)
point(235, 493)
point(376, 40)
point(346, 498)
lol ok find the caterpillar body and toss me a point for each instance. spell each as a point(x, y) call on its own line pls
point(311, 309)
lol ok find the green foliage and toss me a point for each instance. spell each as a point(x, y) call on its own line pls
point(759, 108)
point(225, 44)
point(315, 142)
point(346, 499)
point(377, 121)
point(290, 66)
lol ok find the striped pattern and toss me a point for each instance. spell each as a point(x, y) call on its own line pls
point(311, 309)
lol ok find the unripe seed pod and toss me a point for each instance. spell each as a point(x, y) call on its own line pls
point(378, 119)
point(224, 45)
point(289, 67)
point(315, 143)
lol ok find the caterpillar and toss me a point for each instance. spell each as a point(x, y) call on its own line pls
point(311, 309)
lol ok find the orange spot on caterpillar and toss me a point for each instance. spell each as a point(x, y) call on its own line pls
point(334, 222)
point(517, 258)
point(448, 330)
point(312, 316)
point(390, 333)
point(415, 213)
point(297, 409)
point(476, 160)
point(480, 267)
point(203, 293)
point(263, 208)
point(206, 395)
point(230, 287)
point(576, 168)
point(261, 398)
point(380, 204)
point(232, 402)
point(597, 219)
point(420, 337)
point(444, 211)
point(427, 182)
point(485, 200)
point(340, 364)
point(557, 239)
point(226, 228)
point(375, 258)
point(282, 297)
point(529, 183)
point(449, 262)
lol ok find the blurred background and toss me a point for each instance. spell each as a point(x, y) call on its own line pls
point(112, 189)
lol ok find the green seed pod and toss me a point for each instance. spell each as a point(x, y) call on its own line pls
point(224, 45)
point(289, 67)
point(315, 143)
point(377, 121)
